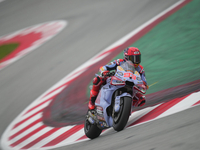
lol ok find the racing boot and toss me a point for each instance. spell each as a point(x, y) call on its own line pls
point(97, 82)
point(139, 100)
point(91, 104)
point(142, 99)
point(134, 101)
point(93, 96)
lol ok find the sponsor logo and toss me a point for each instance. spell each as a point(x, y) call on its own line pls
point(99, 110)
point(137, 73)
point(120, 73)
point(120, 68)
point(111, 63)
point(102, 69)
point(127, 74)
point(100, 118)
point(136, 53)
point(101, 124)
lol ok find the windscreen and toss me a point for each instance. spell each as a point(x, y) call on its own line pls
point(128, 66)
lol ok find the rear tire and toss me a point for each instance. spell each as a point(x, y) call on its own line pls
point(91, 131)
point(123, 114)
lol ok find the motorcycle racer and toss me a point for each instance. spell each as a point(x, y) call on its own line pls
point(131, 53)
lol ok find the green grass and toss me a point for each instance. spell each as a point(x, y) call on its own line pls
point(6, 49)
point(171, 50)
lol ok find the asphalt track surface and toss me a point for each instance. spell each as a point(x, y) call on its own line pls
point(93, 26)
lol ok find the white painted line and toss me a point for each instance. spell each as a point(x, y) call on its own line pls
point(34, 111)
point(183, 105)
point(26, 123)
point(139, 114)
point(73, 138)
point(18, 137)
point(53, 136)
point(52, 94)
point(33, 137)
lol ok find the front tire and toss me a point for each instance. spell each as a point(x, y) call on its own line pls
point(120, 119)
point(91, 131)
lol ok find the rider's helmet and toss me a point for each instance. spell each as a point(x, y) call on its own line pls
point(133, 54)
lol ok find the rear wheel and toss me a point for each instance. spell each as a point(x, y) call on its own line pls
point(120, 119)
point(91, 131)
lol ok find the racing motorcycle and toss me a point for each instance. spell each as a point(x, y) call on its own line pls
point(113, 105)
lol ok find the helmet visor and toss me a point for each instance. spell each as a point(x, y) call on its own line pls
point(136, 59)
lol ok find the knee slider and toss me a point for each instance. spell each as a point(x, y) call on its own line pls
point(93, 93)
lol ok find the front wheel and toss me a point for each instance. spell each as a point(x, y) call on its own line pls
point(120, 119)
point(91, 131)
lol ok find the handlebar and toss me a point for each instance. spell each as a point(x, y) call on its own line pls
point(109, 74)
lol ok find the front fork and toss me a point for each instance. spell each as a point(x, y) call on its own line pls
point(119, 102)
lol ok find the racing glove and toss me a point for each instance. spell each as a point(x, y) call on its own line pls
point(105, 73)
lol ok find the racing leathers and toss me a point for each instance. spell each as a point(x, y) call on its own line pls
point(138, 100)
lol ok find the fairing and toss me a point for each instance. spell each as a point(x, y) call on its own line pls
point(124, 73)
